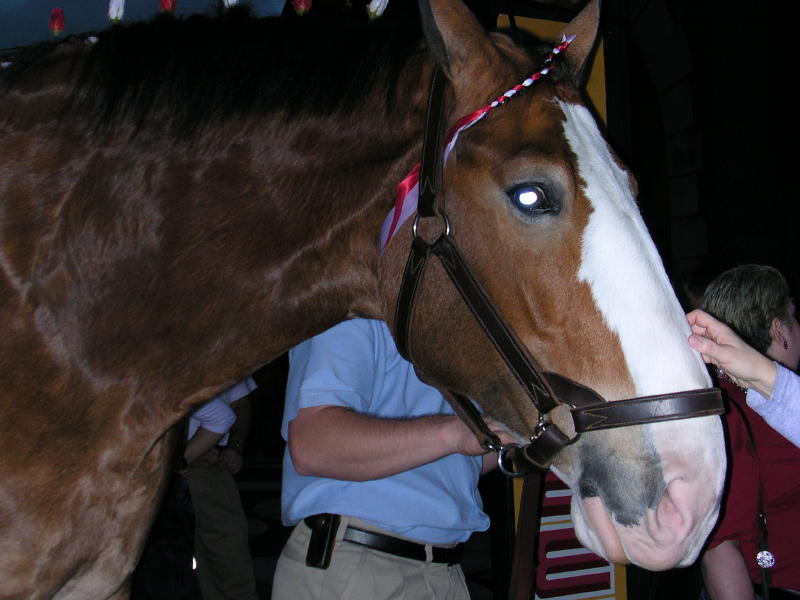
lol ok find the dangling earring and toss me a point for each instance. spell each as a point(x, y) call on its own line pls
point(785, 345)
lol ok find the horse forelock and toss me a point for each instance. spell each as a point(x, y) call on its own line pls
point(526, 51)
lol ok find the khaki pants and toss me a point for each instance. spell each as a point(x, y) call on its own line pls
point(360, 573)
point(224, 564)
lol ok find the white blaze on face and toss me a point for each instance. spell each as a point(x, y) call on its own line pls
point(620, 264)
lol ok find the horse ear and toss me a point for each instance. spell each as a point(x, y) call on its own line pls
point(456, 40)
point(584, 27)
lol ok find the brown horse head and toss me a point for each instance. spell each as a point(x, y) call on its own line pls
point(546, 214)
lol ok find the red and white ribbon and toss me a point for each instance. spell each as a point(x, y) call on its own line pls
point(407, 194)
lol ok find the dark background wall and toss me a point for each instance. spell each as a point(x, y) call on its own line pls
point(699, 110)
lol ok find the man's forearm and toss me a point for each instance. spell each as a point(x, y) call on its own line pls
point(335, 442)
point(200, 443)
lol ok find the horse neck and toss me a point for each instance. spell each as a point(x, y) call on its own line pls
point(234, 246)
point(311, 213)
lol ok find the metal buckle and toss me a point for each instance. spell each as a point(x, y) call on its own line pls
point(541, 427)
point(506, 463)
point(441, 214)
point(502, 459)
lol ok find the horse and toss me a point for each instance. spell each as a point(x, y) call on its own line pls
point(183, 200)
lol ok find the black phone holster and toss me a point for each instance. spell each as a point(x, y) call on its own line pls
point(323, 536)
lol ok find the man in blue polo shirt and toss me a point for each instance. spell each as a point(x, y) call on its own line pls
point(380, 477)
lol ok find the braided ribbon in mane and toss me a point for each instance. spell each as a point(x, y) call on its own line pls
point(408, 189)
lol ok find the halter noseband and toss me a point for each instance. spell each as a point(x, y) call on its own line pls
point(546, 390)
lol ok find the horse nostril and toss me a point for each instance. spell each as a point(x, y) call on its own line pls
point(672, 519)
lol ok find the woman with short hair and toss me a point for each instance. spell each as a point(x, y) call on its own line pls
point(754, 300)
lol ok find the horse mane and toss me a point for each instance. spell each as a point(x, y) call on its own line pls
point(207, 68)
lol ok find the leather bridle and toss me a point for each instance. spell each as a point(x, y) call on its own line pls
point(546, 390)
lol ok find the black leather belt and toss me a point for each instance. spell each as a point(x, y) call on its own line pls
point(404, 548)
point(371, 539)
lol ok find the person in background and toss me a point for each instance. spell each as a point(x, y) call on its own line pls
point(217, 434)
point(754, 300)
point(380, 477)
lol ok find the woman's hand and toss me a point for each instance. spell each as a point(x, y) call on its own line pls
point(719, 345)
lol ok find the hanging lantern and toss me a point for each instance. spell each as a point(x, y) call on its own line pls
point(376, 7)
point(167, 5)
point(115, 10)
point(57, 21)
point(301, 7)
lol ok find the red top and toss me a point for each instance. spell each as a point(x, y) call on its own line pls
point(775, 462)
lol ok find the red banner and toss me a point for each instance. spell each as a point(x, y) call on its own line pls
point(567, 570)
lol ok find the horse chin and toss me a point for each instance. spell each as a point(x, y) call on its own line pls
point(667, 537)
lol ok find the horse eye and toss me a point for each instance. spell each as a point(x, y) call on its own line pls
point(531, 199)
